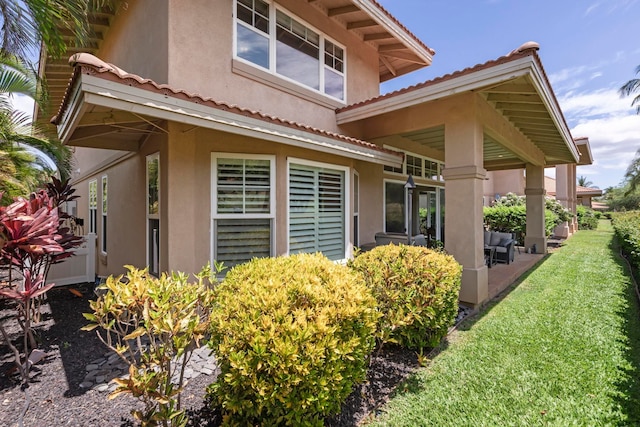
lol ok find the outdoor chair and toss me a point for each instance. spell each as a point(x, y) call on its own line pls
point(503, 243)
point(419, 240)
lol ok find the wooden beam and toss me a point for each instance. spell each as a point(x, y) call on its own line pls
point(361, 24)
point(513, 97)
point(539, 108)
point(391, 47)
point(514, 88)
point(377, 36)
point(404, 55)
point(343, 10)
point(388, 65)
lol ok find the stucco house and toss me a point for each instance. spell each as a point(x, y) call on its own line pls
point(229, 129)
point(563, 187)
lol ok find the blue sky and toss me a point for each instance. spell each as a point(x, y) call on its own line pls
point(588, 48)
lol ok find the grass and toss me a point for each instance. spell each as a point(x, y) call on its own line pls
point(562, 349)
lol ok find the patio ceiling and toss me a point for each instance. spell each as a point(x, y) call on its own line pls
point(516, 92)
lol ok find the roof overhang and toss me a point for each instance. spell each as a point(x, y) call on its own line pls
point(584, 148)
point(400, 51)
point(101, 109)
point(515, 86)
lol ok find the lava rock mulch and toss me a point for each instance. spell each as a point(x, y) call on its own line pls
point(56, 397)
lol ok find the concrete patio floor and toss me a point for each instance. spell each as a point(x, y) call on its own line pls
point(503, 275)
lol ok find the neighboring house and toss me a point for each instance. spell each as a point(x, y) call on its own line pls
point(563, 187)
point(246, 128)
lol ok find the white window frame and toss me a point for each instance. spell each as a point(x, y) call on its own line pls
point(214, 198)
point(273, 7)
point(356, 208)
point(93, 206)
point(151, 157)
point(348, 249)
point(104, 209)
point(440, 165)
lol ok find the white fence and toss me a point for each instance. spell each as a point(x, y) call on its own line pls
point(80, 268)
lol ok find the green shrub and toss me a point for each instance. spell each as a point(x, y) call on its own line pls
point(292, 336)
point(152, 324)
point(513, 219)
point(587, 218)
point(627, 228)
point(417, 291)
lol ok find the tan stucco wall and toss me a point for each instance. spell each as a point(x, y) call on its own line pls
point(137, 40)
point(186, 191)
point(201, 61)
point(503, 182)
point(126, 215)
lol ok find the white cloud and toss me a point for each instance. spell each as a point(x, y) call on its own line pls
point(22, 103)
point(613, 130)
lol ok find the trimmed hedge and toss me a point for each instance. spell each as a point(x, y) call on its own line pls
point(292, 336)
point(417, 292)
point(587, 218)
point(627, 228)
point(513, 219)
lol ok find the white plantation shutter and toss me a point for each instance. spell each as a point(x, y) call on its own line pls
point(316, 211)
point(243, 213)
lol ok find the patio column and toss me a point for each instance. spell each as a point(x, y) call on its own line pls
point(535, 192)
point(563, 197)
point(464, 178)
point(573, 191)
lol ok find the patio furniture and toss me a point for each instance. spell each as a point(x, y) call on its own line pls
point(383, 238)
point(502, 243)
point(490, 256)
point(419, 240)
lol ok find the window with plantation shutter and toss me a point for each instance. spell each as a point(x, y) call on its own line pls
point(317, 210)
point(243, 208)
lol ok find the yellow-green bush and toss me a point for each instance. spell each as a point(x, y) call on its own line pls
point(292, 336)
point(416, 289)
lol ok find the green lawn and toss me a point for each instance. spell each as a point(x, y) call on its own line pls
point(562, 349)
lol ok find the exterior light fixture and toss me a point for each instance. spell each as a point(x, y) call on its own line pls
point(410, 186)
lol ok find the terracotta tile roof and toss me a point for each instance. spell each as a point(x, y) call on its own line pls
point(85, 63)
point(587, 190)
point(527, 49)
point(393, 18)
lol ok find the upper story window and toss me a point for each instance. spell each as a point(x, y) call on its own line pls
point(418, 166)
point(271, 38)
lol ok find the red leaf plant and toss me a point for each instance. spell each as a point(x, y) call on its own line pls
point(33, 235)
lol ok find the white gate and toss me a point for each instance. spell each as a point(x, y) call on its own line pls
point(80, 268)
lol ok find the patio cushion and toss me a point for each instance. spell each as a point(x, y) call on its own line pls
point(501, 249)
point(504, 242)
point(495, 239)
point(487, 238)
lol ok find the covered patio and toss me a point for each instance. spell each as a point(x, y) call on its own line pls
point(499, 115)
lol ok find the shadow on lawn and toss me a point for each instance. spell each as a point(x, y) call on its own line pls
point(628, 396)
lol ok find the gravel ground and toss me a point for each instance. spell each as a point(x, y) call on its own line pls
point(56, 398)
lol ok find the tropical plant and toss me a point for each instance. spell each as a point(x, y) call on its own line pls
point(583, 181)
point(154, 324)
point(632, 175)
point(28, 23)
point(292, 336)
point(631, 87)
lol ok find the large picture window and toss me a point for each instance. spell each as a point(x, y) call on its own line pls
point(243, 207)
point(317, 209)
point(275, 40)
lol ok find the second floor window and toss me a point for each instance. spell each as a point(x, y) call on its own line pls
point(276, 41)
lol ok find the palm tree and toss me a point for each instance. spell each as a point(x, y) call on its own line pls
point(27, 23)
point(584, 182)
point(632, 176)
point(632, 86)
